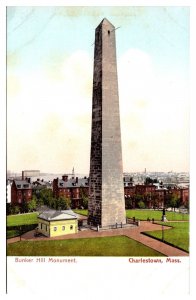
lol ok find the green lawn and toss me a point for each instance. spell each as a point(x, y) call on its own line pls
point(144, 214)
point(31, 218)
point(12, 233)
point(178, 235)
point(22, 219)
point(105, 246)
point(83, 212)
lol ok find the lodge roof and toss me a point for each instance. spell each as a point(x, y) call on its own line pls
point(54, 215)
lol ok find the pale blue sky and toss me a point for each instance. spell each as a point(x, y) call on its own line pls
point(161, 31)
point(50, 63)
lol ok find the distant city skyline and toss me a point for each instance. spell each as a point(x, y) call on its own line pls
point(49, 87)
point(42, 173)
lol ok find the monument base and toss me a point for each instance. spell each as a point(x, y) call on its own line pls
point(109, 227)
point(164, 219)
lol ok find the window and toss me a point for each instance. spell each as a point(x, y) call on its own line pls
point(71, 227)
point(55, 228)
point(18, 186)
point(46, 227)
point(41, 225)
point(63, 228)
point(25, 185)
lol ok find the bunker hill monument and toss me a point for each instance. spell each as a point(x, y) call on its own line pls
point(106, 191)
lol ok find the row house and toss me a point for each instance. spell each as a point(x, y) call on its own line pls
point(160, 196)
point(153, 196)
point(73, 188)
point(181, 193)
point(76, 188)
point(146, 189)
point(150, 195)
point(184, 195)
point(21, 191)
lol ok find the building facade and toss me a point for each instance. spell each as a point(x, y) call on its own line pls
point(74, 188)
point(152, 196)
point(21, 191)
point(57, 223)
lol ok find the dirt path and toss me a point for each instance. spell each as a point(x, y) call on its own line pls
point(134, 233)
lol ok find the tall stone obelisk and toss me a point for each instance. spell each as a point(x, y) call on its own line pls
point(106, 201)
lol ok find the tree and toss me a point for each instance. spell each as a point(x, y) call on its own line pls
point(14, 209)
point(149, 180)
point(24, 207)
point(46, 196)
point(31, 205)
point(129, 202)
point(85, 202)
point(138, 198)
point(63, 203)
point(38, 199)
point(84, 197)
point(172, 200)
point(141, 204)
point(52, 202)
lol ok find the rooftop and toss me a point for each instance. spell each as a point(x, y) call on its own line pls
point(22, 184)
point(73, 182)
point(54, 215)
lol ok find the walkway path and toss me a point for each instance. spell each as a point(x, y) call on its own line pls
point(133, 233)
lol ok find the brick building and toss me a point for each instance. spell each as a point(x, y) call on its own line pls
point(160, 196)
point(74, 188)
point(181, 193)
point(184, 195)
point(21, 191)
point(153, 196)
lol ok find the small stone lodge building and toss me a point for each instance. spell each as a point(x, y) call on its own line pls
point(55, 223)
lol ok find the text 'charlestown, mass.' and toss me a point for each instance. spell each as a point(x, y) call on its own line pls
point(154, 260)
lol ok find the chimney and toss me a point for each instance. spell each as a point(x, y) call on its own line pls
point(22, 175)
point(65, 178)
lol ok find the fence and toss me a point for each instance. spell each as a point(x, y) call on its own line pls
point(133, 221)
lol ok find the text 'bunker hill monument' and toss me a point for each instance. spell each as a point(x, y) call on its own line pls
point(106, 201)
